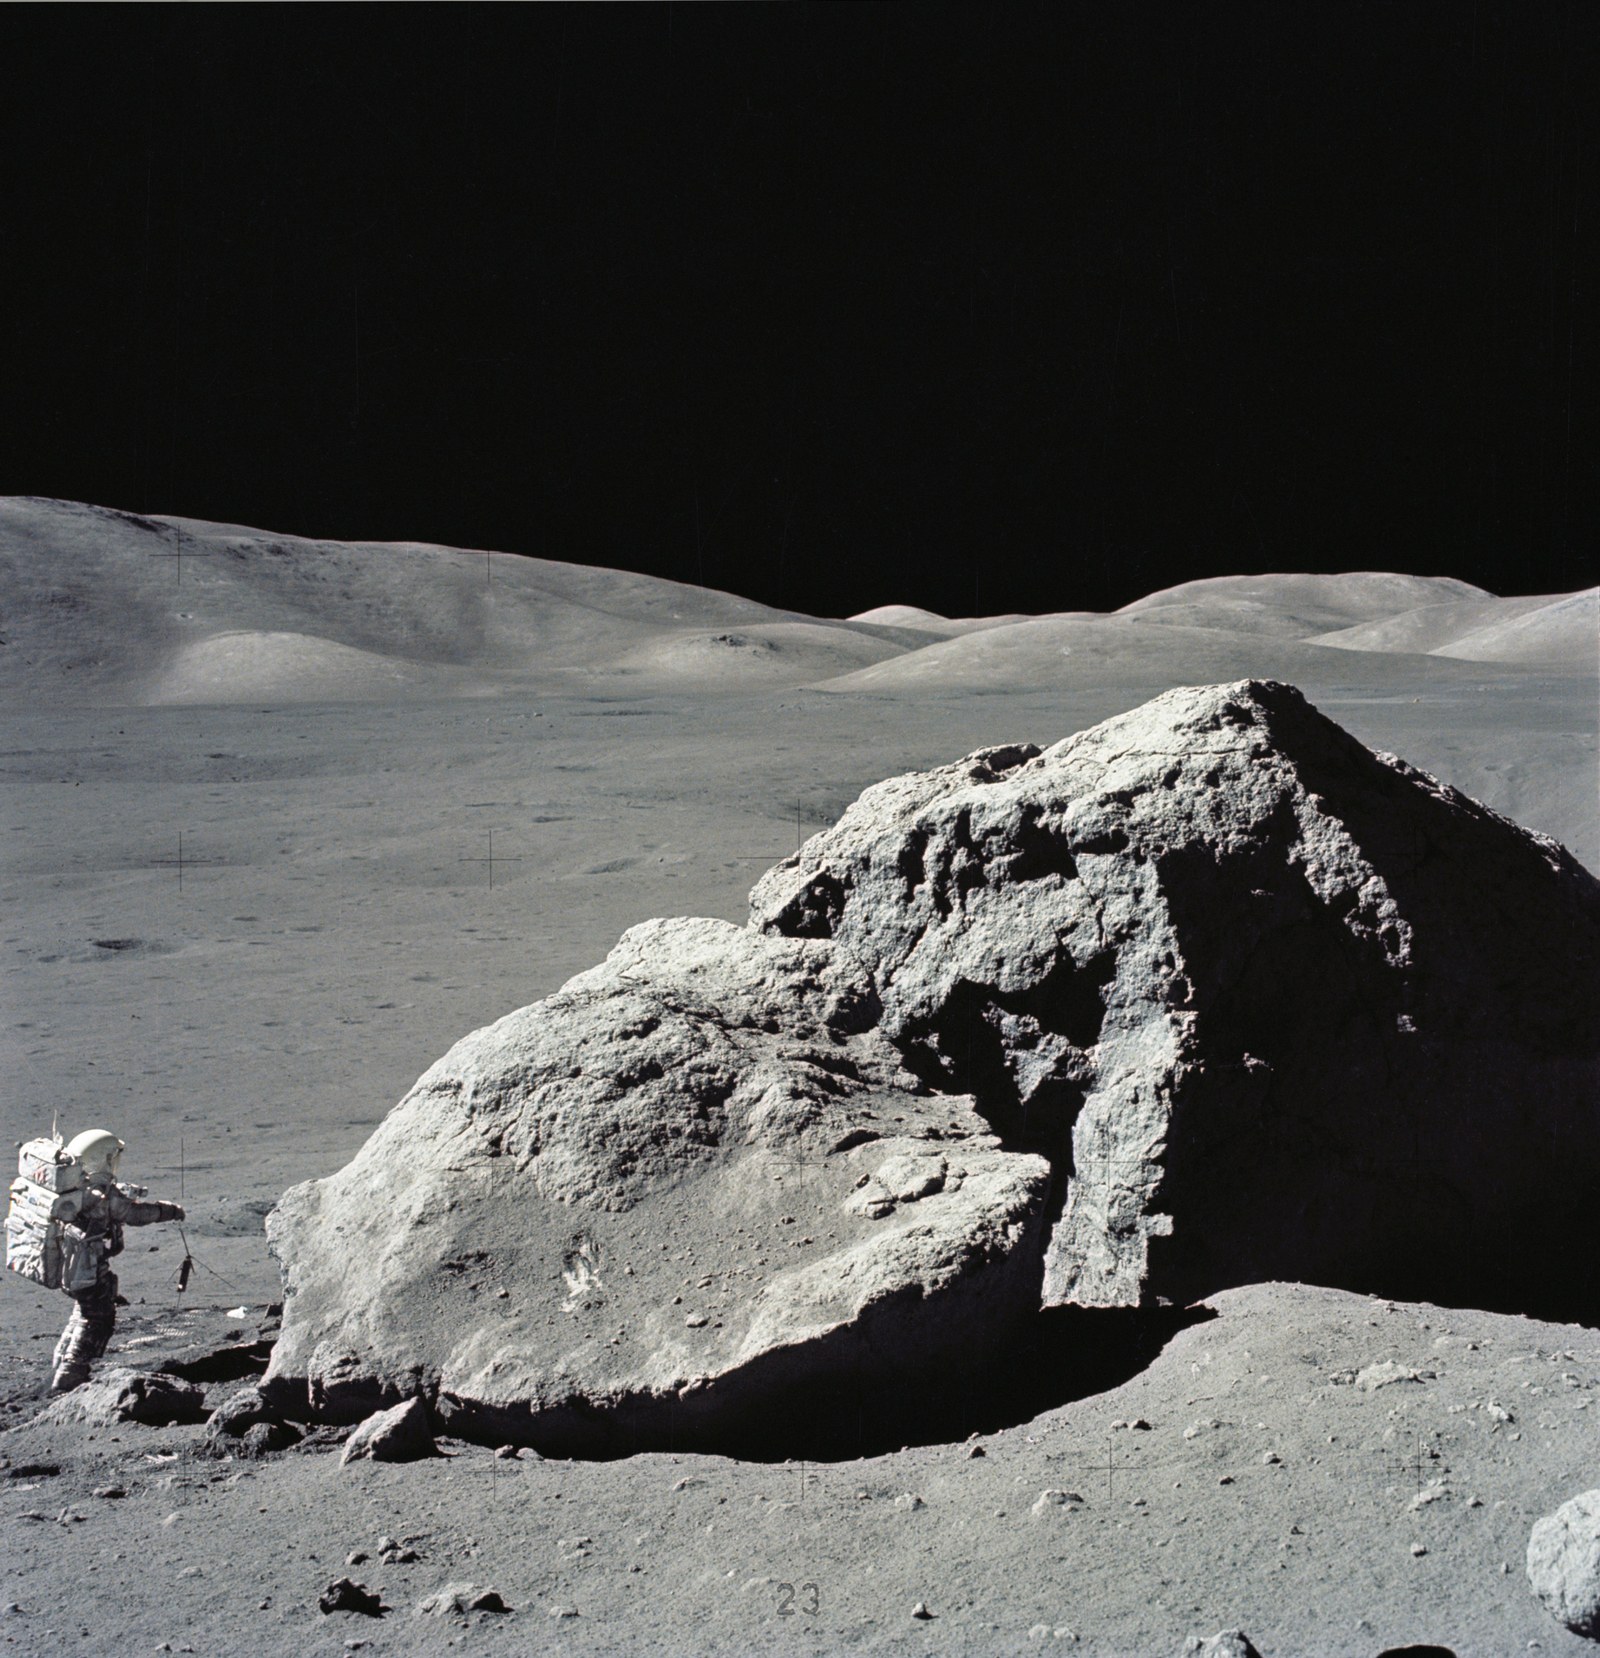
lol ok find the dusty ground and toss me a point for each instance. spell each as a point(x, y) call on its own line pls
point(332, 935)
point(1269, 1490)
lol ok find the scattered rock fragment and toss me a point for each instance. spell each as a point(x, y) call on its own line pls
point(1564, 1564)
point(1387, 1374)
point(113, 1396)
point(1226, 1643)
point(1052, 1502)
point(458, 1599)
point(345, 1595)
point(403, 1434)
point(920, 1610)
point(245, 1425)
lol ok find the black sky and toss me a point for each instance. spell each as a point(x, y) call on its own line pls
point(982, 307)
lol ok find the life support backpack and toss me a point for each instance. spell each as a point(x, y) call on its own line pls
point(42, 1243)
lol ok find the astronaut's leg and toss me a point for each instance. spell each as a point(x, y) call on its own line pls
point(94, 1317)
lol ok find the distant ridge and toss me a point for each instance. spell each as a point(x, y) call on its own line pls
point(109, 608)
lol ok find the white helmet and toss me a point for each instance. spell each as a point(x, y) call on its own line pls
point(97, 1149)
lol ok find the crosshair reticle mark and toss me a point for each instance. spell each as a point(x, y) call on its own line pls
point(180, 553)
point(182, 862)
point(491, 859)
point(1109, 1465)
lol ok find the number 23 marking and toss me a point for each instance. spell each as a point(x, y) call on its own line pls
point(810, 1600)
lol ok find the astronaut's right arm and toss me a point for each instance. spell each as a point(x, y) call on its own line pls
point(132, 1211)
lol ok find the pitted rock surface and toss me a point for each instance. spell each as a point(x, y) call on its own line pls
point(1209, 994)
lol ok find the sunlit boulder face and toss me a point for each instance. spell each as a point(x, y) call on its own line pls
point(1207, 995)
point(692, 1190)
point(1272, 1005)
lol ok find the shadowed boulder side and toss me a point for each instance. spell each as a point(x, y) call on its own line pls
point(1272, 1005)
point(1206, 995)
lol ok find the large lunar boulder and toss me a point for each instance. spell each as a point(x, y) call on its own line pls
point(686, 1190)
point(1273, 1006)
point(1207, 995)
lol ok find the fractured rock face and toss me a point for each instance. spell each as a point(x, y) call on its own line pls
point(1206, 995)
point(1274, 1007)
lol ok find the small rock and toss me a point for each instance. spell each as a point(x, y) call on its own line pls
point(508, 1453)
point(1564, 1564)
point(1048, 1502)
point(909, 1501)
point(452, 1598)
point(1387, 1374)
point(1225, 1479)
point(1419, 1549)
point(403, 1434)
point(245, 1425)
point(561, 1611)
point(976, 1451)
point(696, 1321)
point(458, 1599)
point(1039, 1632)
point(687, 1481)
point(1497, 1413)
point(920, 1610)
point(1270, 1459)
point(343, 1595)
point(356, 1557)
point(116, 1396)
point(109, 1491)
point(262, 1439)
point(1226, 1643)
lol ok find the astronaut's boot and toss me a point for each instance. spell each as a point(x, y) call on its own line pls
point(73, 1355)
